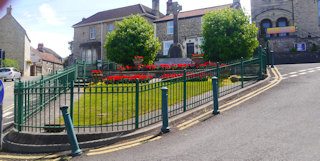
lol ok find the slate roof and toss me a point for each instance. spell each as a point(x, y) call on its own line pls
point(46, 56)
point(117, 13)
point(192, 13)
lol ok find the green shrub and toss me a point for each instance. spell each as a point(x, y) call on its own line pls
point(228, 35)
point(293, 49)
point(133, 37)
point(314, 47)
point(10, 63)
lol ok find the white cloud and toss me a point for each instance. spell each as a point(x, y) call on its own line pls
point(49, 15)
point(55, 41)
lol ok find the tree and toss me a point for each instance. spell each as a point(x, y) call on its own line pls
point(133, 37)
point(228, 35)
point(10, 63)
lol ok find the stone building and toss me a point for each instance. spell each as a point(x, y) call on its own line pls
point(44, 63)
point(303, 14)
point(90, 33)
point(190, 29)
point(15, 41)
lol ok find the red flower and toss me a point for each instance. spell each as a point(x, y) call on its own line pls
point(96, 72)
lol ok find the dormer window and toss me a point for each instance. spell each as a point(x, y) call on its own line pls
point(170, 27)
point(92, 32)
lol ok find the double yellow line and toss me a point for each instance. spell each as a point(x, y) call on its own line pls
point(236, 102)
point(46, 157)
point(8, 108)
point(126, 145)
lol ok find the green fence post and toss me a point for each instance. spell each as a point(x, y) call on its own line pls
point(260, 62)
point(242, 72)
point(20, 105)
point(76, 65)
point(137, 103)
point(272, 59)
point(165, 123)
point(41, 92)
point(215, 88)
point(71, 99)
point(218, 76)
point(184, 91)
point(84, 70)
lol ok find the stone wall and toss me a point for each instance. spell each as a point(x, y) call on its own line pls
point(12, 40)
point(296, 57)
point(82, 35)
point(49, 67)
point(302, 14)
point(190, 30)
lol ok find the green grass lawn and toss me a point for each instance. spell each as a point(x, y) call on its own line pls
point(104, 104)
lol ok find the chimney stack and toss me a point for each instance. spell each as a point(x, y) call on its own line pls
point(9, 9)
point(169, 7)
point(156, 8)
point(236, 4)
point(40, 47)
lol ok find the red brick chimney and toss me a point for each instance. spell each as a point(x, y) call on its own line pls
point(9, 9)
point(169, 6)
point(40, 47)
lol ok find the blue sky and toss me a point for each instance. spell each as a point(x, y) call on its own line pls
point(50, 21)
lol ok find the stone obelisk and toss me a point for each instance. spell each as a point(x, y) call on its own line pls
point(176, 50)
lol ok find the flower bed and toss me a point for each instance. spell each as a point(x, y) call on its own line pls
point(169, 67)
point(128, 79)
point(96, 72)
point(190, 76)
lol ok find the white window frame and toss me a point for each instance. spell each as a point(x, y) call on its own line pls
point(92, 32)
point(110, 26)
point(170, 28)
point(166, 50)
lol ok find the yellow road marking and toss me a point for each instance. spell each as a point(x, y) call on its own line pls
point(119, 145)
point(187, 126)
point(113, 150)
point(122, 146)
point(28, 157)
point(8, 108)
point(236, 102)
point(241, 101)
point(196, 118)
point(156, 138)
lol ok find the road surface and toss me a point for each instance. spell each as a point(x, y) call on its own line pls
point(282, 123)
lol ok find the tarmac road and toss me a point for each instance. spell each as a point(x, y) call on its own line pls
point(281, 123)
point(8, 102)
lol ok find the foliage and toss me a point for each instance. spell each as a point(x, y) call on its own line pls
point(128, 79)
point(170, 67)
point(228, 35)
point(10, 63)
point(159, 56)
point(293, 49)
point(314, 47)
point(133, 36)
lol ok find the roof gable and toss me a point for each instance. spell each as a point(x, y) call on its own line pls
point(192, 13)
point(14, 21)
point(46, 56)
point(116, 14)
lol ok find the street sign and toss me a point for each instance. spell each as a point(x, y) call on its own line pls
point(1, 91)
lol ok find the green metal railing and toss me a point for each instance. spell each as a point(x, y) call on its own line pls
point(129, 105)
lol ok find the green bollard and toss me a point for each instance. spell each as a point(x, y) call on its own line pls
point(165, 125)
point(215, 96)
point(71, 135)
